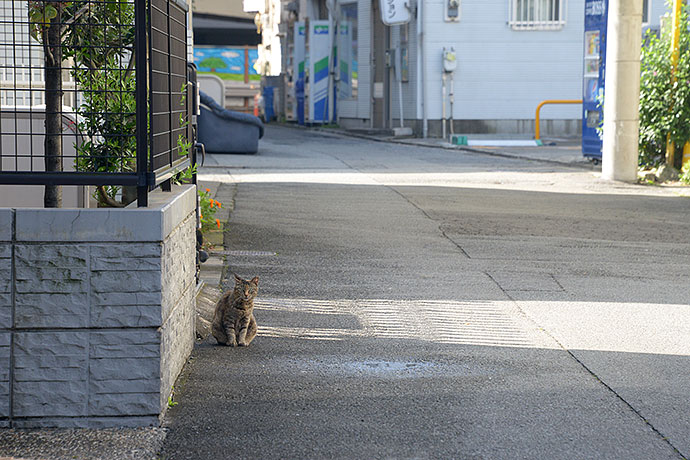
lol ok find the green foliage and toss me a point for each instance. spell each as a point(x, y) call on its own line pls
point(172, 403)
point(101, 41)
point(207, 209)
point(101, 24)
point(184, 145)
point(99, 37)
point(40, 15)
point(664, 104)
point(107, 118)
point(685, 173)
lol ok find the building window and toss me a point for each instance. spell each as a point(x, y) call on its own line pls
point(347, 51)
point(537, 14)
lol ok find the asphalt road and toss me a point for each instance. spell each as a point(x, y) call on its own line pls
point(434, 304)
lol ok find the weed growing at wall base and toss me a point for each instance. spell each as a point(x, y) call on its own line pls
point(207, 209)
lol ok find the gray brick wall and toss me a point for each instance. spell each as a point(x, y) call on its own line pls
point(5, 338)
point(178, 322)
point(95, 328)
point(5, 283)
point(6, 220)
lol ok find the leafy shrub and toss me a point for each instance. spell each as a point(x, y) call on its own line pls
point(664, 104)
point(207, 209)
point(685, 173)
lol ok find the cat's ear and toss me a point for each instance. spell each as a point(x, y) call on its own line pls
point(237, 278)
point(255, 281)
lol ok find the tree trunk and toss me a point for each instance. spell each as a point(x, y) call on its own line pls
point(52, 197)
point(129, 194)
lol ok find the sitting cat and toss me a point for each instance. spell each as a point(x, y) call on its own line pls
point(233, 320)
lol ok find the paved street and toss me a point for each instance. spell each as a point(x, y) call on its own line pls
point(425, 303)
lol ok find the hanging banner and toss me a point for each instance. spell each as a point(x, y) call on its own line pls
point(319, 44)
point(394, 12)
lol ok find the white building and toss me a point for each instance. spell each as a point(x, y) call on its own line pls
point(510, 56)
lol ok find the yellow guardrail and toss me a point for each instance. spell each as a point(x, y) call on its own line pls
point(550, 101)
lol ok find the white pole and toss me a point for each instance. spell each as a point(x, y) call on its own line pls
point(622, 91)
point(400, 96)
point(330, 102)
point(422, 78)
point(443, 105)
point(452, 100)
point(418, 86)
point(398, 75)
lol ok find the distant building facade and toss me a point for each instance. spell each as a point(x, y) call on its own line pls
point(509, 56)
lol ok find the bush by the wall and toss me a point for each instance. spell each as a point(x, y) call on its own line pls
point(664, 104)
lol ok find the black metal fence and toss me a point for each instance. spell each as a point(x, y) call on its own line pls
point(93, 92)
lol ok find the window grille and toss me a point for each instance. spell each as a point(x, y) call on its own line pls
point(22, 78)
point(537, 14)
point(110, 109)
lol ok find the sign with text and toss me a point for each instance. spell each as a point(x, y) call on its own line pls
point(319, 60)
point(395, 12)
point(254, 6)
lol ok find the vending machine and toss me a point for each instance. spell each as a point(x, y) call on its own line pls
point(596, 14)
point(318, 57)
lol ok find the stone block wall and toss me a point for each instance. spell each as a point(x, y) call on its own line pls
point(96, 311)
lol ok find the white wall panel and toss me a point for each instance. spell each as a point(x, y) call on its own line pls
point(410, 87)
point(502, 73)
point(364, 47)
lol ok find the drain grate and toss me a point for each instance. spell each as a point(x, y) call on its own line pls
point(245, 253)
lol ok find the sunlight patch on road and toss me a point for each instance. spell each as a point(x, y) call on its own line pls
point(623, 327)
point(470, 323)
point(579, 182)
point(449, 322)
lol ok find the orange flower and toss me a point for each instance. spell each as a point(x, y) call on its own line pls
point(218, 222)
point(218, 203)
point(211, 201)
point(208, 190)
point(201, 216)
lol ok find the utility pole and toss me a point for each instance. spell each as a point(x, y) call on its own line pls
point(622, 97)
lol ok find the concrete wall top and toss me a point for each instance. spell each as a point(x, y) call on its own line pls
point(165, 212)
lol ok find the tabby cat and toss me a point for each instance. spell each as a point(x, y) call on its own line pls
point(233, 320)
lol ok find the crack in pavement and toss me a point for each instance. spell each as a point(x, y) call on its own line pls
point(663, 437)
point(521, 311)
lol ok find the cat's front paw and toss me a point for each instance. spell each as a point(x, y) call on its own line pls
point(242, 344)
point(231, 344)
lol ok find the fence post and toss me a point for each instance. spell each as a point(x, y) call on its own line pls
point(141, 98)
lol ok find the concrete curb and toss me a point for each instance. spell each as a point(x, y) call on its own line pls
point(420, 143)
point(83, 443)
point(211, 271)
